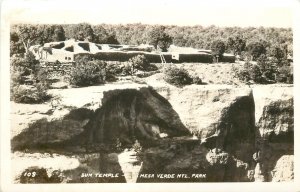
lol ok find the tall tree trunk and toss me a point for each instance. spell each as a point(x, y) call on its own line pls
point(26, 47)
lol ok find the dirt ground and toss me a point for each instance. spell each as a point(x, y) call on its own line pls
point(216, 73)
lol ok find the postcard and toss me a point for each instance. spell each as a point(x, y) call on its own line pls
point(149, 95)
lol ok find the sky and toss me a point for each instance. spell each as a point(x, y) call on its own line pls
point(269, 13)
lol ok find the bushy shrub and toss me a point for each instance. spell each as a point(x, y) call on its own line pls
point(249, 72)
point(131, 67)
point(83, 57)
point(267, 70)
point(255, 73)
point(127, 69)
point(113, 69)
point(25, 65)
point(245, 56)
point(41, 77)
point(285, 75)
point(268, 67)
point(139, 62)
point(119, 69)
point(17, 77)
point(28, 70)
point(110, 77)
point(29, 94)
point(86, 74)
point(137, 147)
point(177, 76)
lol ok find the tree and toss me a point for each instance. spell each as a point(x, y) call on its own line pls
point(250, 73)
point(256, 49)
point(159, 38)
point(236, 45)
point(16, 47)
point(27, 34)
point(218, 48)
point(230, 44)
point(103, 37)
point(59, 33)
point(278, 53)
point(81, 32)
point(51, 33)
point(267, 67)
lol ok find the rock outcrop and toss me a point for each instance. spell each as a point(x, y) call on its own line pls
point(274, 108)
point(133, 114)
point(58, 120)
point(274, 111)
point(221, 117)
point(239, 134)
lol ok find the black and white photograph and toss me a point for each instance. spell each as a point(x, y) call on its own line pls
point(148, 92)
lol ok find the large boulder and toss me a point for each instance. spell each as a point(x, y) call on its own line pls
point(220, 116)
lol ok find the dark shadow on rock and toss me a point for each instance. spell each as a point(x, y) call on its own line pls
point(129, 115)
point(45, 135)
point(174, 161)
point(271, 153)
point(187, 161)
point(235, 133)
point(125, 116)
point(239, 124)
point(272, 146)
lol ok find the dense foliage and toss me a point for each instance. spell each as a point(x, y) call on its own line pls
point(29, 81)
point(249, 73)
point(255, 41)
point(139, 62)
point(265, 71)
point(24, 35)
point(177, 76)
point(217, 49)
point(88, 73)
point(159, 38)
